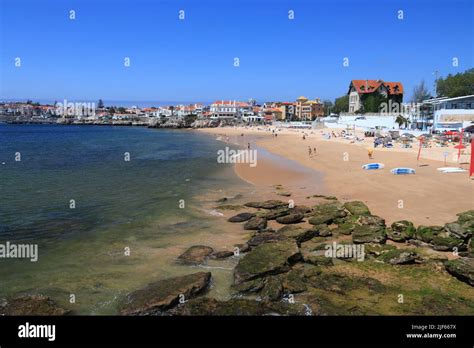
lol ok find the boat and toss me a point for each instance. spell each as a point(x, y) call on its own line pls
point(372, 166)
point(402, 171)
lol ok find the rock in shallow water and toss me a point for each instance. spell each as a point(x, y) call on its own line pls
point(195, 255)
point(31, 305)
point(165, 294)
point(241, 217)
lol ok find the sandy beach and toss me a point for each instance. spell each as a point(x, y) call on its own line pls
point(428, 197)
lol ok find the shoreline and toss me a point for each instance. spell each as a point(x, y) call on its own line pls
point(426, 198)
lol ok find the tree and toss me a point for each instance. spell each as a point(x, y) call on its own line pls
point(100, 104)
point(456, 85)
point(328, 105)
point(371, 102)
point(420, 93)
point(341, 104)
point(400, 120)
point(121, 110)
point(112, 110)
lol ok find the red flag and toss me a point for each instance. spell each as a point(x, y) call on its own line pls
point(460, 143)
point(419, 150)
point(471, 171)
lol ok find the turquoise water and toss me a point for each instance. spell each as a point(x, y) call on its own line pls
point(118, 204)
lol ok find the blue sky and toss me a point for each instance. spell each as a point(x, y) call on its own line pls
point(192, 59)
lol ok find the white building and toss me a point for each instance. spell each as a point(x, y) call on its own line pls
point(452, 113)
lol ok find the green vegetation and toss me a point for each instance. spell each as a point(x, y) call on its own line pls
point(456, 85)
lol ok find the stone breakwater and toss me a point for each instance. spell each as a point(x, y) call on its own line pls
point(287, 270)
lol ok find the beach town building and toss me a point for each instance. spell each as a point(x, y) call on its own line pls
point(224, 109)
point(451, 113)
point(308, 110)
point(360, 89)
point(288, 110)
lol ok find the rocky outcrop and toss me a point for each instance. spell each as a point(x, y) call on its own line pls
point(266, 259)
point(195, 255)
point(462, 268)
point(31, 305)
point(165, 294)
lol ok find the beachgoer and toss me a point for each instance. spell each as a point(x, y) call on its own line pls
point(314, 150)
point(370, 152)
point(248, 146)
point(304, 138)
point(309, 151)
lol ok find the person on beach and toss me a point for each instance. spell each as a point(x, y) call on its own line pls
point(314, 150)
point(309, 151)
point(370, 152)
point(304, 138)
point(248, 146)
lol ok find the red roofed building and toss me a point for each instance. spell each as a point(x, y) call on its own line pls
point(360, 90)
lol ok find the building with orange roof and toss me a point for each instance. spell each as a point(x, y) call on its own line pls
point(360, 90)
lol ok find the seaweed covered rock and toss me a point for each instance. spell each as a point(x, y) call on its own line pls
point(276, 213)
point(265, 237)
point(327, 213)
point(399, 257)
point(357, 208)
point(256, 223)
point(292, 218)
point(164, 294)
point(297, 233)
point(369, 234)
point(400, 231)
point(266, 259)
point(427, 233)
point(346, 227)
point(447, 243)
point(462, 268)
point(456, 230)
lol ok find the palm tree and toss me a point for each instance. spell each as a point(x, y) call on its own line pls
point(400, 120)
